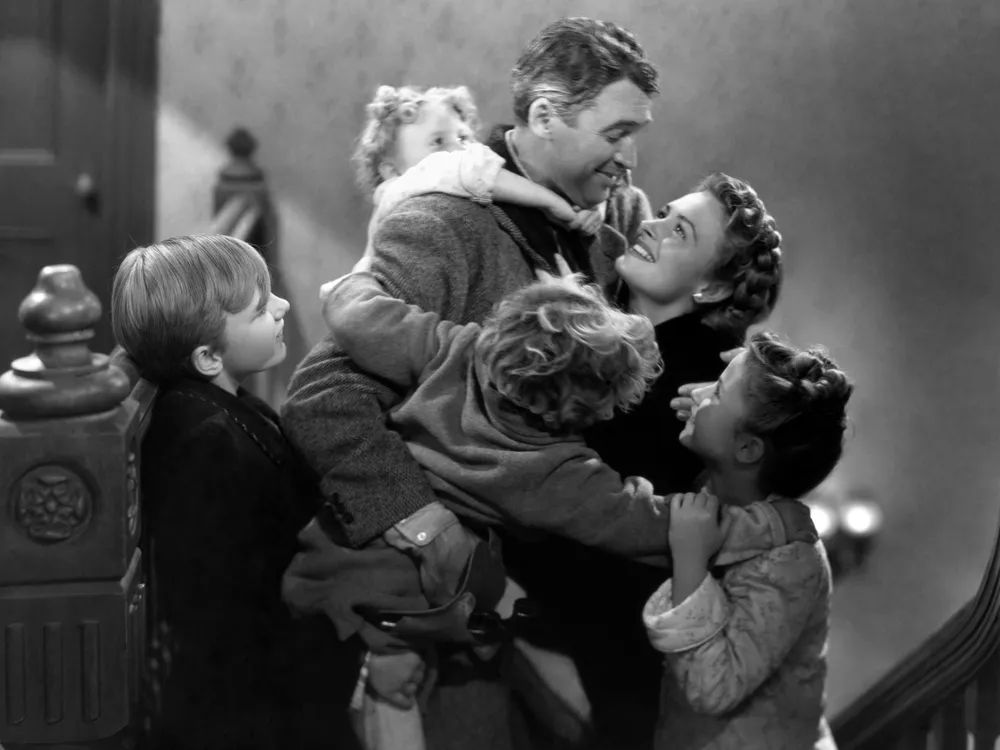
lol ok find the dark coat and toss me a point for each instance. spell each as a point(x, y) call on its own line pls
point(224, 496)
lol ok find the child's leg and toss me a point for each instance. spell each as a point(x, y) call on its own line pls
point(386, 683)
point(387, 727)
point(549, 680)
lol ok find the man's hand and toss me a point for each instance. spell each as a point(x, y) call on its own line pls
point(442, 563)
point(797, 520)
point(694, 527)
point(684, 402)
point(396, 678)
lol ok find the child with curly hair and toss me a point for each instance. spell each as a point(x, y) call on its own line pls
point(745, 643)
point(418, 141)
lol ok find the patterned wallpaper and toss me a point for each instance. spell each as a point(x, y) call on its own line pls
point(861, 124)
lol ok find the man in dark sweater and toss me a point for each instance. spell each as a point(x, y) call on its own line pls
point(582, 91)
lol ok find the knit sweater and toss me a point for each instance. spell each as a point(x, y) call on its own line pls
point(483, 457)
point(444, 255)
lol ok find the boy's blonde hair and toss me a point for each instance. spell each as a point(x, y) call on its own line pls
point(559, 350)
point(169, 298)
point(393, 107)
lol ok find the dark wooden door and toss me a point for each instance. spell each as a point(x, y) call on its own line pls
point(54, 118)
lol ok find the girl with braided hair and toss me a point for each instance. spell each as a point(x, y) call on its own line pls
point(745, 644)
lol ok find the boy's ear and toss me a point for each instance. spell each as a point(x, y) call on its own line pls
point(206, 361)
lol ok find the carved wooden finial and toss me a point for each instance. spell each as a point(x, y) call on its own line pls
point(63, 377)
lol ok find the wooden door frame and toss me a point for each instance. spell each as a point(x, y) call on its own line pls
point(129, 148)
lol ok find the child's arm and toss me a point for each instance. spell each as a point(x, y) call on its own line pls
point(585, 499)
point(383, 335)
point(723, 642)
point(513, 188)
point(476, 173)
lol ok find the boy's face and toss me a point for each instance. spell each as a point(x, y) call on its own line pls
point(438, 127)
point(254, 337)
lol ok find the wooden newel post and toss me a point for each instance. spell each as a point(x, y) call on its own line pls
point(242, 177)
point(71, 590)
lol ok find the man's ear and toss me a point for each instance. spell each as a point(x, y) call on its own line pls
point(541, 117)
point(206, 361)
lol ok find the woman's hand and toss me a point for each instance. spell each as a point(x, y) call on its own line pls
point(683, 404)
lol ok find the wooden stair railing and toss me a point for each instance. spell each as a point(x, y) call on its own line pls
point(943, 696)
point(72, 592)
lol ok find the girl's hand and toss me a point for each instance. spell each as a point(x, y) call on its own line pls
point(560, 211)
point(694, 527)
point(362, 266)
point(587, 221)
point(396, 678)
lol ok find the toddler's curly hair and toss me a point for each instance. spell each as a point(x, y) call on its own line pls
point(560, 351)
point(392, 107)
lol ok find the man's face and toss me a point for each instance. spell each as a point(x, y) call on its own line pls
point(588, 158)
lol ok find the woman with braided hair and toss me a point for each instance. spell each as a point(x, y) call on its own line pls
point(745, 644)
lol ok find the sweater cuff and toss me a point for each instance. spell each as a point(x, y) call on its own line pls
point(690, 624)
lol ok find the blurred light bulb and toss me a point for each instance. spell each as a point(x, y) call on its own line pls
point(823, 519)
point(861, 518)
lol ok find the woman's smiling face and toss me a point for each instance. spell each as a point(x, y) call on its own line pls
point(676, 251)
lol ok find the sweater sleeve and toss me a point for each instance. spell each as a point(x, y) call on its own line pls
point(724, 641)
point(585, 499)
point(334, 412)
point(383, 335)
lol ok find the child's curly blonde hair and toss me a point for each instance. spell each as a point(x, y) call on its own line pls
point(560, 351)
point(393, 107)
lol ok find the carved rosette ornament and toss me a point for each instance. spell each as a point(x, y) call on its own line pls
point(63, 378)
point(51, 503)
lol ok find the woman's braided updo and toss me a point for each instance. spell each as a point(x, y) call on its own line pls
point(749, 258)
